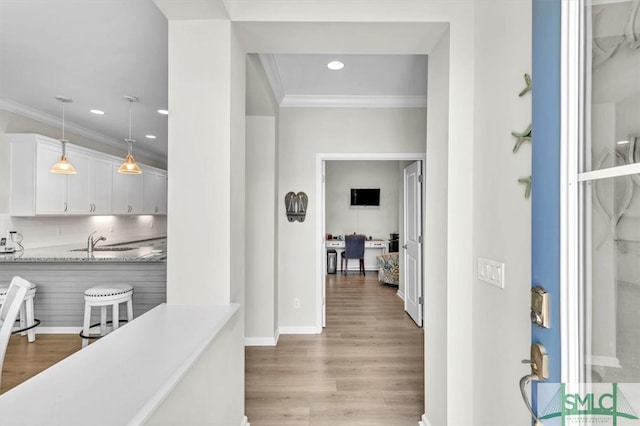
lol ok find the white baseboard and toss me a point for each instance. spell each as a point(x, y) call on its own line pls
point(245, 421)
point(424, 421)
point(58, 330)
point(262, 341)
point(400, 295)
point(299, 330)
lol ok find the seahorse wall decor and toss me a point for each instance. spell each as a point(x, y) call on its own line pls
point(296, 206)
point(525, 136)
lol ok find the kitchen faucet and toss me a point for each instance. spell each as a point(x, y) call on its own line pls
point(91, 243)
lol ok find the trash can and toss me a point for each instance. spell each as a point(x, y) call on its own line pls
point(332, 260)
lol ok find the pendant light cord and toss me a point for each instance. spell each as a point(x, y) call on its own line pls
point(64, 141)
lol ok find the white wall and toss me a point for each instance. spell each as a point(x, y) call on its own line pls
point(342, 218)
point(304, 132)
point(261, 309)
point(261, 294)
point(501, 214)
point(435, 233)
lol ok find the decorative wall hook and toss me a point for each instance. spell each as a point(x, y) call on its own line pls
point(521, 138)
point(296, 206)
point(527, 181)
point(528, 85)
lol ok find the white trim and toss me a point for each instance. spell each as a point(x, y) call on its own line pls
point(58, 330)
point(320, 202)
point(400, 295)
point(627, 169)
point(262, 341)
point(353, 101)
point(424, 421)
point(245, 421)
point(573, 342)
point(40, 116)
point(273, 75)
point(300, 330)
point(604, 361)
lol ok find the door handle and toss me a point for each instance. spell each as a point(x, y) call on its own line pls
point(539, 362)
point(404, 246)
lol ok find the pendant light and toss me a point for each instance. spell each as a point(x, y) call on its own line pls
point(63, 166)
point(129, 166)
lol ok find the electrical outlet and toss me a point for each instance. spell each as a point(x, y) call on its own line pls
point(296, 303)
point(58, 231)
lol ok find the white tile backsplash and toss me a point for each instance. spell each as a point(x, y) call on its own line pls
point(50, 231)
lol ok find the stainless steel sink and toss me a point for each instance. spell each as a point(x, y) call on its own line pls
point(104, 248)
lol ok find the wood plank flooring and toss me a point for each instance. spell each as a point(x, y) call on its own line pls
point(366, 368)
point(24, 360)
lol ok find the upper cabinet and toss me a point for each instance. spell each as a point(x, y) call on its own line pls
point(155, 191)
point(96, 189)
point(127, 192)
point(90, 190)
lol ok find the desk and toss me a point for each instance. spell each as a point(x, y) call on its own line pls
point(372, 248)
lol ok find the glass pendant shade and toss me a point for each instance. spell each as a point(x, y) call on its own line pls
point(63, 167)
point(129, 166)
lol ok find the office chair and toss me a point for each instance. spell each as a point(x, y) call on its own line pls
point(354, 249)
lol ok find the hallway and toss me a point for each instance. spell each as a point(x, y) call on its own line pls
point(365, 369)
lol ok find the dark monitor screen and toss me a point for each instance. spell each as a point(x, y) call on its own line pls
point(365, 197)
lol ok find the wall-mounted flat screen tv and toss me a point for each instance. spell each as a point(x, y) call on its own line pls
point(365, 197)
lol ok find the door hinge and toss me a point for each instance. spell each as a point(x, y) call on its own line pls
point(420, 300)
point(419, 239)
point(420, 178)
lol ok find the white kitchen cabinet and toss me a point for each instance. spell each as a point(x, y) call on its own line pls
point(155, 191)
point(50, 188)
point(89, 191)
point(97, 188)
point(127, 191)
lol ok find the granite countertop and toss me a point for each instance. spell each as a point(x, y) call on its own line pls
point(145, 250)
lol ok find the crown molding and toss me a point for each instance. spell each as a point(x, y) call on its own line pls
point(25, 111)
point(273, 75)
point(355, 101)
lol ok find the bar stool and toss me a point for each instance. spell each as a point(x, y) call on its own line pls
point(104, 295)
point(27, 320)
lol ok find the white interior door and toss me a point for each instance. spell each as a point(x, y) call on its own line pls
point(413, 241)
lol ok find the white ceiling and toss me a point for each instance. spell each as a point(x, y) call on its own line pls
point(365, 80)
point(97, 51)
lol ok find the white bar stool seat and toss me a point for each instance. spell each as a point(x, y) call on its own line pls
point(104, 295)
point(27, 319)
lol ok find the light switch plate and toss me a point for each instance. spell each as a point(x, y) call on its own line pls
point(491, 271)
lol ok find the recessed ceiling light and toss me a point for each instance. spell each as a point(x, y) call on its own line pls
point(335, 65)
point(622, 142)
point(150, 136)
point(163, 112)
point(96, 111)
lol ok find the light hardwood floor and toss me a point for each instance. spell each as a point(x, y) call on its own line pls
point(24, 360)
point(366, 368)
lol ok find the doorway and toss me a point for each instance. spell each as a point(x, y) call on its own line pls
point(321, 224)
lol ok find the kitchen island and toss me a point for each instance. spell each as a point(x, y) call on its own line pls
point(62, 273)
